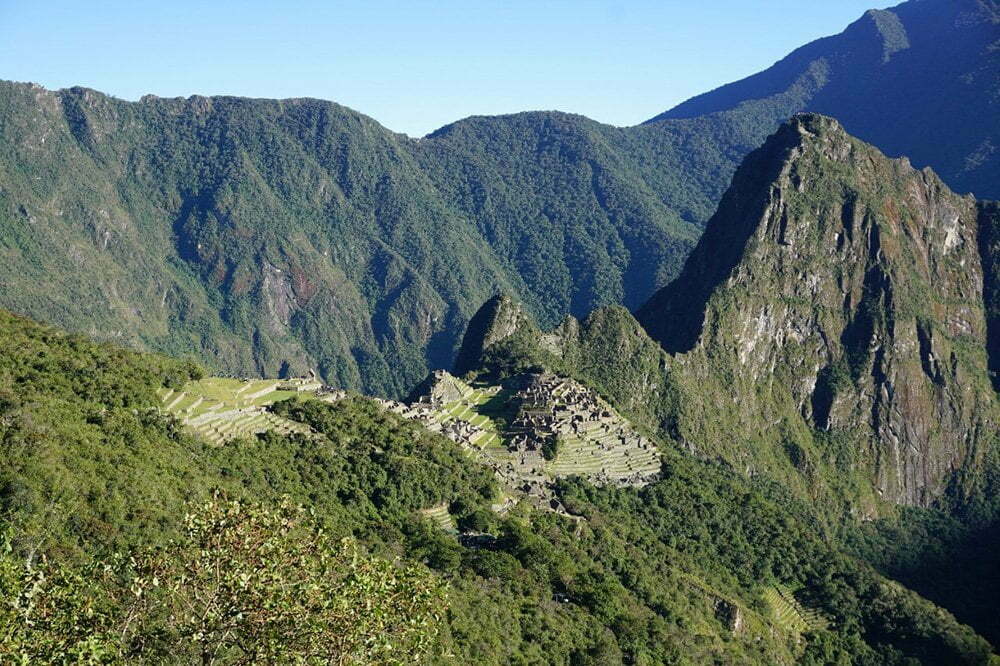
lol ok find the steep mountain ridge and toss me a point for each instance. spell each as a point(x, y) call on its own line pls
point(828, 332)
point(989, 248)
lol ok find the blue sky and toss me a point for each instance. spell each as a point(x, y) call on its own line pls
point(415, 65)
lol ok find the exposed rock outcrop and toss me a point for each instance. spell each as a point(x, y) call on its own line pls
point(989, 248)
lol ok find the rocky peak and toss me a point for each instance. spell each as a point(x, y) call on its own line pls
point(674, 314)
point(842, 289)
point(497, 320)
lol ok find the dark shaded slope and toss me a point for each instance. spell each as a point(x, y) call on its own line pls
point(989, 248)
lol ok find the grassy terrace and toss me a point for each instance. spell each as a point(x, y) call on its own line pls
point(585, 455)
point(440, 516)
point(221, 408)
point(485, 408)
point(789, 613)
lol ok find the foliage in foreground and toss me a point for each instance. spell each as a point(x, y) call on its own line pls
point(244, 585)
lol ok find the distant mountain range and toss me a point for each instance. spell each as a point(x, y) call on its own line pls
point(921, 79)
point(266, 237)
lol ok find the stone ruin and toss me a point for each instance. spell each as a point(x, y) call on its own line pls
point(593, 441)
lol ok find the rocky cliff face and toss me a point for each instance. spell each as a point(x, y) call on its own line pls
point(835, 297)
point(989, 248)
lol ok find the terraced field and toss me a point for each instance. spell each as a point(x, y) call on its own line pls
point(598, 452)
point(440, 516)
point(790, 613)
point(221, 408)
point(482, 407)
point(504, 427)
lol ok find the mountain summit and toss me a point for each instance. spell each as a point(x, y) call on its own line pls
point(829, 330)
point(842, 291)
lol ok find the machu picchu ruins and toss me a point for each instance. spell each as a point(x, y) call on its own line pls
point(531, 429)
point(534, 429)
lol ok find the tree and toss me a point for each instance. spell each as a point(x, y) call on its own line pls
point(244, 585)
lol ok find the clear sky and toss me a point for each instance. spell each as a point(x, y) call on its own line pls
point(415, 65)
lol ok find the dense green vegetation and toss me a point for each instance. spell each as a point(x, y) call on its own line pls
point(85, 455)
point(243, 585)
point(266, 237)
point(89, 460)
point(657, 575)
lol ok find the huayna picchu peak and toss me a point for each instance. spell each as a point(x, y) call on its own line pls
point(842, 291)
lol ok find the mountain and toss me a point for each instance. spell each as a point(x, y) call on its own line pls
point(901, 79)
point(841, 293)
point(267, 237)
point(829, 330)
point(833, 333)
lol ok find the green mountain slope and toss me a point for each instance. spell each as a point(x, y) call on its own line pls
point(266, 237)
point(90, 463)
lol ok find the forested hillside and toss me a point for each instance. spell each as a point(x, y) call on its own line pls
point(265, 237)
point(91, 468)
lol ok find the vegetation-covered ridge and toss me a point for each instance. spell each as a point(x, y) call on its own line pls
point(99, 561)
point(266, 237)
